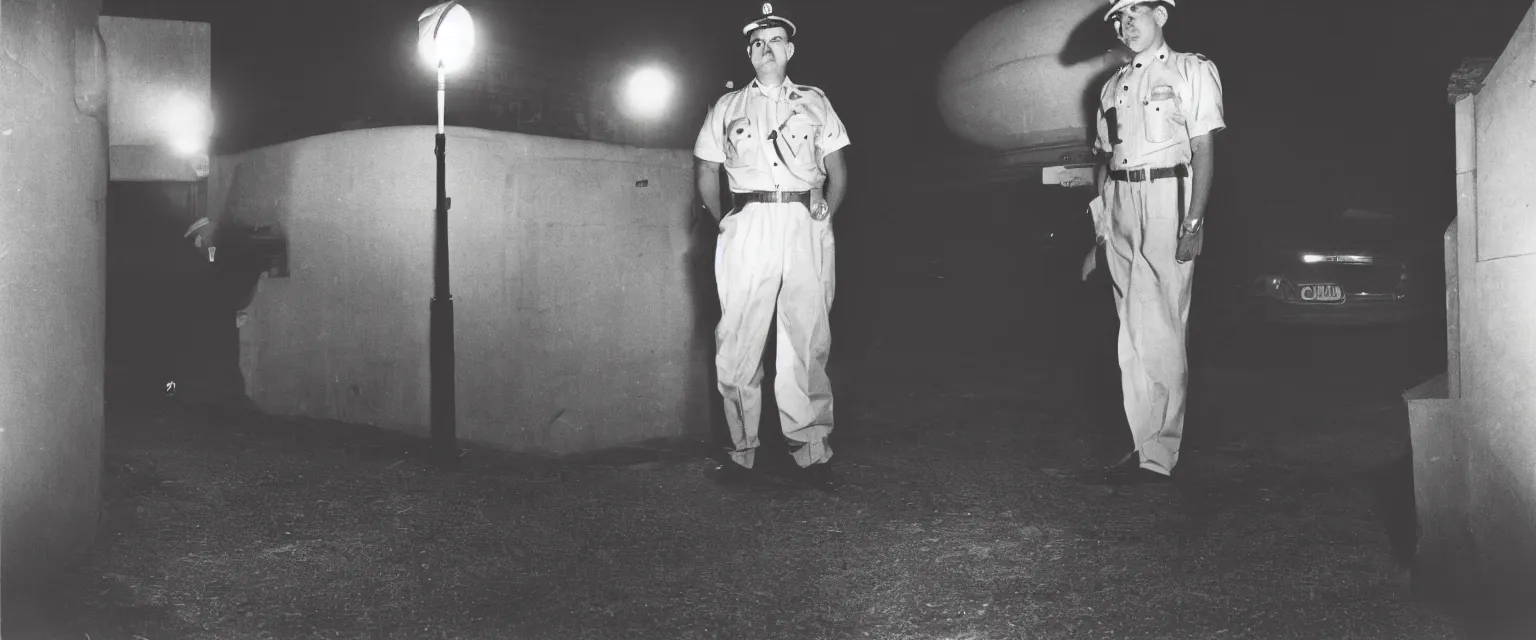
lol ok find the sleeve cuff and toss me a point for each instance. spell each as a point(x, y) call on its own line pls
point(1203, 128)
point(833, 146)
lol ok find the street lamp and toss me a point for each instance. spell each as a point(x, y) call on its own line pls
point(188, 124)
point(646, 95)
point(445, 38)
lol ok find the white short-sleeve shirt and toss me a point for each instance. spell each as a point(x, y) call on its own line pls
point(772, 138)
point(1149, 112)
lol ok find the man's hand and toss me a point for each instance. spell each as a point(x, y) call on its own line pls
point(1091, 262)
point(820, 210)
point(1190, 243)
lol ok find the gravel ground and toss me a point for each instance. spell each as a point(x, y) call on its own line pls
point(967, 516)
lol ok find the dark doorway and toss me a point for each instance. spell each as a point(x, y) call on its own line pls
point(166, 320)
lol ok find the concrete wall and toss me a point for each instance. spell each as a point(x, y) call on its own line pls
point(1475, 440)
point(52, 185)
point(578, 322)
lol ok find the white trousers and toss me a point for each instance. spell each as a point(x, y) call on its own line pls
point(1152, 293)
point(773, 255)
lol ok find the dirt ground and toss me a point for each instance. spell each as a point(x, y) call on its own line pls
point(967, 516)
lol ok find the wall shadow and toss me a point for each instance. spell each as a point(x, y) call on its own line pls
point(700, 263)
point(1392, 488)
point(1092, 39)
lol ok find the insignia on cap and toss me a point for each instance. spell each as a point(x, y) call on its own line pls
point(767, 8)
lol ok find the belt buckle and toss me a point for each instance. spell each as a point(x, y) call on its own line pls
point(1138, 175)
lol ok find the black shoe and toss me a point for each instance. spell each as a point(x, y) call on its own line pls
point(819, 476)
point(1127, 463)
point(1128, 470)
point(1138, 475)
point(730, 473)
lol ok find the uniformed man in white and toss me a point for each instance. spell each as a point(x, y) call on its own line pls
point(781, 145)
point(1156, 124)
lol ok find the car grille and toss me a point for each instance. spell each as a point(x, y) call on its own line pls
point(1381, 277)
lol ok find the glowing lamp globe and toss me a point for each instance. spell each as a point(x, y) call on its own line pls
point(187, 124)
point(446, 36)
point(1006, 86)
point(647, 92)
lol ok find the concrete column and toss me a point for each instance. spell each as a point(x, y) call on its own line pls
point(52, 261)
point(1466, 245)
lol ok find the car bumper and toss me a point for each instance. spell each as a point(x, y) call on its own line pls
point(1385, 310)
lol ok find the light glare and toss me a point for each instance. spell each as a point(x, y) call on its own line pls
point(188, 146)
point(446, 36)
point(648, 92)
point(187, 125)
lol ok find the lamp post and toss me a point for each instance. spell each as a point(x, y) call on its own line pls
point(446, 36)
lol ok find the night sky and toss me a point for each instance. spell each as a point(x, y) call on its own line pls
point(1315, 89)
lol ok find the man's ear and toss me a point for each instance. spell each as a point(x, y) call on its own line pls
point(1161, 15)
point(789, 51)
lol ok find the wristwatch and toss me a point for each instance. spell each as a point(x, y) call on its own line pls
point(1195, 228)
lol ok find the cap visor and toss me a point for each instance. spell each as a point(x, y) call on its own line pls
point(759, 22)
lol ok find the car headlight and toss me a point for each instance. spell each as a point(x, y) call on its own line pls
point(1314, 258)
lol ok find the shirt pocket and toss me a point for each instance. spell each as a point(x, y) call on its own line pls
point(741, 143)
point(1159, 113)
point(799, 135)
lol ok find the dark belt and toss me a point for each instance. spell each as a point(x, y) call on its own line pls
point(739, 200)
point(1140, 175)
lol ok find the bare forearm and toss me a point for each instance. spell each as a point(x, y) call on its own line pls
point(1204, 148)
point(836, 189)
point(1100, 176)
point(837, 180)
point(707, 177)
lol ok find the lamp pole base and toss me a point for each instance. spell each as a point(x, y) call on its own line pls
point(445, 443)
point(444, 420)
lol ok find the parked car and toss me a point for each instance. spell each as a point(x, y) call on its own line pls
point(1355, 266)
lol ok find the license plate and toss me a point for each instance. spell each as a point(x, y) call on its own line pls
point(1321, 293)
